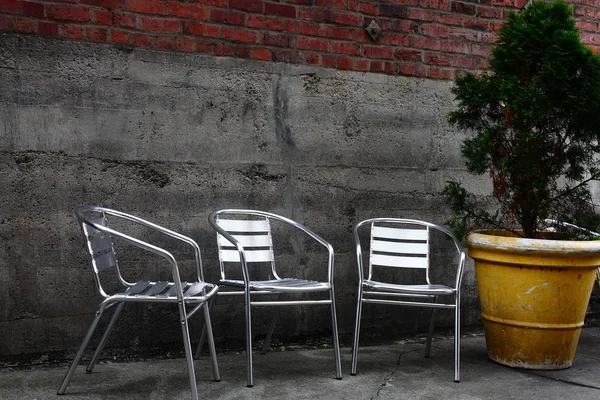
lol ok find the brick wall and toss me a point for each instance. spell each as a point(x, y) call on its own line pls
point(425, 38)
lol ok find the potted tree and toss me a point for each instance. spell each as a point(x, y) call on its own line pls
point(533, 123)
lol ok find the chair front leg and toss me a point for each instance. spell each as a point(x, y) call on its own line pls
point(336, 343)
point(248, 309)
point(82, 347)
point(107, 331)
point(431, 328)
point(457, 339)
point(188, 349)
point(211, 342)
point(359, 304)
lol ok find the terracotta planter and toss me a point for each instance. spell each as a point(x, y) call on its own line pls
point(534, 295)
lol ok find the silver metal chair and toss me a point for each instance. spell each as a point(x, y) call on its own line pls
point(99, 238)
point(244, 238)
point(405, 244)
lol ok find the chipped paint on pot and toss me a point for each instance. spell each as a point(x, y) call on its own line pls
point(534, 295)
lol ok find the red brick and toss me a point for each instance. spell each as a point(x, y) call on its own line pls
point(360, 35)
point(22, 25)
point(413, 69)
point(345, 48)
point(290, 26)
point(411, 3)
point(313, 59)
point(436, 4)
point(229, 17)
point(437, 59)
point(330, 3)
point(375, 66)
point(147, 6)
point(242, 51)
point(109, 4)
point(102, 17)
point(344, 63)
point(25, 8)
point(462, 34)
point(320, 15)
point(163, 43)
point(11, 7)
point(420, 15)
point(455, 47)
point(347, 18)
point(361, 64)
point(587, 26)
point(248, 5)
point(71, 32)
point(238, 35)
point(201, 29)
point(67, 12)
point(463, 62)
point(160, 24)
point(275, 39)
point(188, 11)
point(463, 8)
point(329, 61)
point(390, 68)
point(261, 22)
point(185, 44)
point(334, 32)
point(223, 49)
point(406, 26)
point(3, 23)
point(449, 19)
point(352, 5)
point(204, 46)
point(215, 3)
point(481, 50)
point(393, 11)
point(314, 44)
point(495, 26)
point(280, 9)
point(426, 43)
point(408, 55)
point(434, 30)
point(486, 37)
point(120, 37)
point(476, 23)
point(98, 35)
point(143, 41)
point(434, 72)
point(489, 12)
point(124, 20)
point(47, 29)
point(261, 54)
point(368, 8)
point(378, 52)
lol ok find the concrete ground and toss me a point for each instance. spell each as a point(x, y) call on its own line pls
point(397, 371)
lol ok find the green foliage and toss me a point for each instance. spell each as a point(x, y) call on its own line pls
point(535, 124)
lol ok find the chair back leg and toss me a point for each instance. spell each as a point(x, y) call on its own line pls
point(359, 305)
point(457, 340)
point(248, 307)
point(336, 342)
point(211, 343)
point(188, 351)
point(267, 341)
point(431, 328)
point(102, 343)
point(198, 352)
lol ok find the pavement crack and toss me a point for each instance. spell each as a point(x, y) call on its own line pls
point(389, 376)
point(565, 381)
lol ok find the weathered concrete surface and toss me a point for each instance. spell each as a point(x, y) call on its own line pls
point(171, 137)
point(397, 371)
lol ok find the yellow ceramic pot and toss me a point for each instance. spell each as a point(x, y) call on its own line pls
point(534, 295)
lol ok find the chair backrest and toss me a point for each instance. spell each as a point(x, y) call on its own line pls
point(253, 234)
point(403, 246)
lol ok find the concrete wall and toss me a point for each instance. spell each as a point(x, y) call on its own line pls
point(171, 137)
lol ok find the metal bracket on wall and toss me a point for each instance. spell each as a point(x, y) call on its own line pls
point(373, 30)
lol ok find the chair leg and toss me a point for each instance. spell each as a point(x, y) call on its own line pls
point(188, 350)
point(248, 309)
point(431, 328)
point(211, 342)
point(457, 340)
point(203, 334)
point(82, 347)
point(267, 341)
point(359, 304)
point(107, 331)
point(336, 342)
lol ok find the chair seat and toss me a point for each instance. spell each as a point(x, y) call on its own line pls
point(281, 285)
point(165, 289)
point(408, 289)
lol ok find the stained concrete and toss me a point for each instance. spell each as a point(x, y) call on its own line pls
point(393, 371)
point(170, 137)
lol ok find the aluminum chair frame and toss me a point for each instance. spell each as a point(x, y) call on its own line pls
point(390, 252)
point(99, 240)
point(235, 248)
